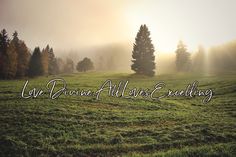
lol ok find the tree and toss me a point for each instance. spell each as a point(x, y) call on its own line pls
point(4, 43)
point(183, 62)
point(143, 53)
point(199, 60)
point(52, 63)
point(10, 62)
point(23, 56)
point(69, 66)
point(35, 64)
point(85, 65)
point(45, 60)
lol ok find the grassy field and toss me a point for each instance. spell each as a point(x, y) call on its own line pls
point(83, 126)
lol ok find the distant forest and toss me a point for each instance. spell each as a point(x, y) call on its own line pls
point(18, 61)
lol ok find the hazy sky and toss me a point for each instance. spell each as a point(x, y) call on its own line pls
point(75, 24)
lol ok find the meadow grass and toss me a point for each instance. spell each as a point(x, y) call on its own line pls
point(84, 126)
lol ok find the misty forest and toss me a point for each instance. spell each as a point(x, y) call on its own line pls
point(112, 78)
point(18, 61)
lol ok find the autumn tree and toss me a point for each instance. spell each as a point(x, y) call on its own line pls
point(143, 53)
point(85, 65)
point(183, 62)
point(23, 56)
point(10, 62)
point(35, 64)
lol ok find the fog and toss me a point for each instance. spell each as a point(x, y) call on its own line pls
point(105, 30)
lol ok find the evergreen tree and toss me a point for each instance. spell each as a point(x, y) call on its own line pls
point(183, 62)
point(4, 43)
point(143, 53)
point(52, 63)
point(85, 65)
point(23, 56)
point(35, 64)
point(10, 62)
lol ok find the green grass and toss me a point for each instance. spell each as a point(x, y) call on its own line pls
point(79, 126)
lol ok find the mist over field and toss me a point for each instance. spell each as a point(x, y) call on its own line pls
point(105, 30)
point(132, 78)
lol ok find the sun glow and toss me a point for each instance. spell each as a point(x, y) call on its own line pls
point(171, 21)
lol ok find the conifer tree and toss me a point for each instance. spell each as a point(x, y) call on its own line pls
point(143, 53)
point(10, 62)
point(35, 64)
point(52, 63)
point(183, 63)
point(4, 43)
point(23, 56)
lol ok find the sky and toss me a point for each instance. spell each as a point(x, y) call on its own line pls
point(78, 24)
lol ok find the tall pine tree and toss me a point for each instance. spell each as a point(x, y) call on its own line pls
point(52, 63)
point(23, 56)
point(10, 62)
point(143, 53)
point(35, 64)
point(4, 43)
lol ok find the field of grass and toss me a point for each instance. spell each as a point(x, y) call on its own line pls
point(83, 126)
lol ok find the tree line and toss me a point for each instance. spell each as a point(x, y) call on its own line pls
point(16, 60)
point(143, 58)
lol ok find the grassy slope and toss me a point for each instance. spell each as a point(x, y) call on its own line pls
point(83, 126)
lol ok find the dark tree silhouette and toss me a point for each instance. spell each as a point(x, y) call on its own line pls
point(52, 63)
point(23, 56)
point(85, 65)
point(4, 43)
point(183, 63)
point(10, 62)
point(35, 64)
point(143, 53)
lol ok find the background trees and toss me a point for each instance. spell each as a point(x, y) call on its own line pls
point(85, 65)
point(69, 66)
point(52, 63)
point(4, 43)
point(16, 60)
point(23, 56)
point(143, 53)
point(35, 64)
point(183, 63)
point(10, 62)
